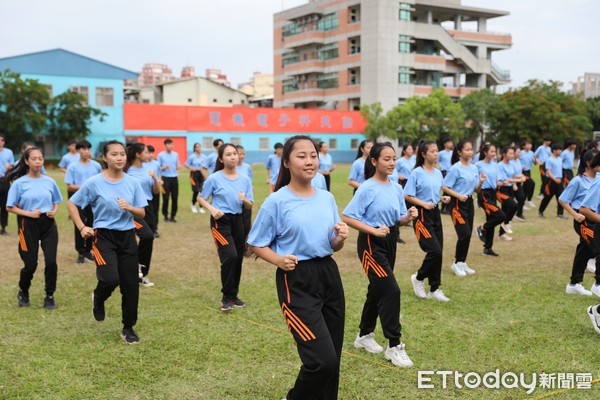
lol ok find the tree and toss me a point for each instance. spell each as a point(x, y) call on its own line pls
point(23, 106)
point(70, 116)
point(431, 118)
point(593, 105)
point(377, 122)
point(483, 110)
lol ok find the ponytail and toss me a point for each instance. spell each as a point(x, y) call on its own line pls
point(422, 147)
point(374, 155)
point(21, 168)
point(589, 156)
point(132, 151)
point(456, 151)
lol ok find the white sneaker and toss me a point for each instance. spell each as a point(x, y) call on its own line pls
point(504, 236)
point(525, 208)
point(438, 295)
point(140, 274)
point(457, 269)
point(592, 312)
point(146, 282)
point(397, 355)
point(418, 286)
point(591, 265)
point(595, 289)
point(193, 208)
point(466, 268)
point(540, 196)
point(368, 343)
point(507, 228)
point(577, 289)
point(531, 204)
point(202, 211)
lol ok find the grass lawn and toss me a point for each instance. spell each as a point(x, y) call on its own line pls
point(512, 315)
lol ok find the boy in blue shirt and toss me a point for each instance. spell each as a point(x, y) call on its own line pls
point(554, 185)
point(169, 165)
point(155, 202)
point(541, 155)
point(69, 158)
point(273, 166)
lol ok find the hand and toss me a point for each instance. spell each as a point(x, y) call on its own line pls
point(151, 173)
point(123, 205)
point(413, 213)
point(167, 166)
point(87, 232)
point(7, 166)
point(241, 196)
point(216, 213)
point(51, 214)
point(268, 182)
point(558, 180)
point(341, 230)
point(515, 187)
point(34, 214)
point(429, 206)
point(382, 231)
point(462, 197)
point(579, 217)
point(288, 262)
point(445, 199)
point(482, 177)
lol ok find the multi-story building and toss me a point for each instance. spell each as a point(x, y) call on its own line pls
point(340, 54)
point(216, 75)
point(588, 84)
point(154, 74)
point(260, 90)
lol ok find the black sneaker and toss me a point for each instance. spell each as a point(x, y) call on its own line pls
point(480, 233)
point(227, 305)
point(167, 219)
point(400, 240)
point(541, 214)
point(172, 219)
point(80, 259)
point(237, 302)
point(23, 299)
point(156, 235)
point(129, 336)
point(3, 232)
point(98, 309)
point(490, 252)
point(88, 257)
point(49, 303)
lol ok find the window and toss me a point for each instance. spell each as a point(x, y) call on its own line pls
point(354, 45)
point(104, 97)
point(327, 81)
point(82, 90)
point(353, 14)
point(328, 51)
point(263, 143)
point(290, 58)
point(290, 30)
point(235, 141)
point(332, 144)
point(207, 142)
point(354, 144)
point(290, 85)
point(353, 76)
point(328, 22)
point(404, 44)
point(404, 12)
point(404, 75)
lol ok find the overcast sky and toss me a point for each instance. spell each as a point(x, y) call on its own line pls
point(552, 39)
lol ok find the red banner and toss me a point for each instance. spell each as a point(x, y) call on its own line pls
point(148, 117)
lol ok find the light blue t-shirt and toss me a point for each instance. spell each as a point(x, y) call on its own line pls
point(172, 160)
point(153, 164)
point(225, 191)
point(526, 159)
point(319, 181)
point(245, 169)
point(542, 153)
point(424, 185)
point(393, 177)
point(568, 159)
point(273, 164)
point(505, 171)
point(592, 198)
point(68, 159)
point(576, 190)
point(404, 167)
point(143, 176)
point(555, 164)
point(78, 172)
point(491, 173)
point(301, 226)
point(377, 204)
point(517, 167)
point(444, 159)
point(357, 171)
point(196, 161)
point(6, 157)
point(211, 161)
point(31, 194)
point(103, 195)
point(325, 162)
point(461, 179)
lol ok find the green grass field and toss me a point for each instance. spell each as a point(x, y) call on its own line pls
point(512, 315)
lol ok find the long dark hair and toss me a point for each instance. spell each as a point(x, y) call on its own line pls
point(107, 145)
point(505, 150)
point(406, 147)
point(219, 165)
point(285, 176)
point(587, 157)
point(21, 168)
point(422, 147)
point(457, 149)
point(595, 161)
point(484, 149)
point(133, 150)
point(361, 148)
point(374, 155)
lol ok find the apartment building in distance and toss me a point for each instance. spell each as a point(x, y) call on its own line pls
point(339, 54)
point(588, 85)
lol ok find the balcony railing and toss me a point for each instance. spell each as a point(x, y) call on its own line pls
point(502, 73)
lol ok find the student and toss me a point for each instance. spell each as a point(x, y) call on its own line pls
point(568, 160)
point(375, 211)
point(245, 169)
point(357, 171)
point(77, 173)
point(326, 166)
point(444, 163)
point(71, 157)
point(506, 191)
point(319, 182)
point(297, 230)
point(273, 165)
point(35, 198)
point(137, 155)
point(230, 192)
point(460, 182)
point(7, 160)
point(423, 190)
point(196, 163)
point(571, 200)
point(541, 155)
point(554, 179)
point(487, 198)
point(405, 164)
point(211, 159)
point(527, 160)
point(519, 194)
point(590, 209)
point(169, 165)
point(26, 146)
point(155, 203)
point(116, 198)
